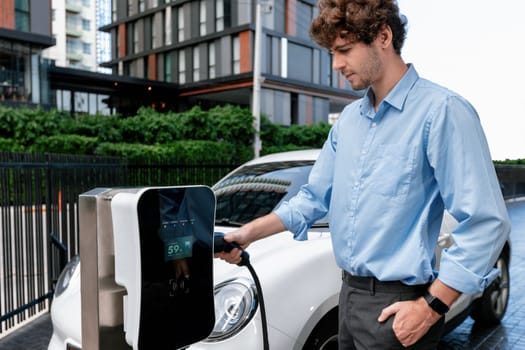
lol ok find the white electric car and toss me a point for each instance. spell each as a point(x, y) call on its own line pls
point(300, 281)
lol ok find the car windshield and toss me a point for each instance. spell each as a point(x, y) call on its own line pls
point(255, 190)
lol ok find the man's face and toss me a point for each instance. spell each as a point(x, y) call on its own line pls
point(359, 63)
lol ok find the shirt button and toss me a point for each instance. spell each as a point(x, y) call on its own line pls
point(374, 125)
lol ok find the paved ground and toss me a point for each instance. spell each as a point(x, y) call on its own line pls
point(33, 336)
point(509, 335)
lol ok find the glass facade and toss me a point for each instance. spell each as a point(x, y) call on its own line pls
point(22, 15)
point(22, 74)
point(14, 72)
point(210, 39)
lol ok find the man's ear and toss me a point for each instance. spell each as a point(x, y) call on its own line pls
point(384, 37)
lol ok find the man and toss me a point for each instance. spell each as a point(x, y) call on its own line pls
point(392, 163)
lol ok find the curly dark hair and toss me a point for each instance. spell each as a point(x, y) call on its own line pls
point(357, 20)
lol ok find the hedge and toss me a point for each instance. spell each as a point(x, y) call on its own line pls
point(221, 134)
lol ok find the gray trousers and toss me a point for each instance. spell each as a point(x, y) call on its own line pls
point(360, 303)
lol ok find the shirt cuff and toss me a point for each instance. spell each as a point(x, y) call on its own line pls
point(293, 223)
point(458, 277)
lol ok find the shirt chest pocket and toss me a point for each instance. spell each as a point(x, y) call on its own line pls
point(392, 169)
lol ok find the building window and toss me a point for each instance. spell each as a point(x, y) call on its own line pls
point(156, 30)
point(180, 24)
point(167, 68)
point(86, 24)
point(114, 11)
point(135, 38)
point(72, 23)
point(236, 55)
point(202, 18)
point(72, 45)
point(86, 48)
point(182, 67)
point(142, 5)
point(196, 64)
point(211, 61)
point(219, 15)
point(303, 19)
point(22, 15)
point(86, 3)
point(299, 69)
point(167, 26)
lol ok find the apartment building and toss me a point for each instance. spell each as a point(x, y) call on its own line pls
point(207, 47)
point(25, 30)
point(79, 43)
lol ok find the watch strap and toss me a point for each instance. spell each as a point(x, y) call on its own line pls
point(436, 304)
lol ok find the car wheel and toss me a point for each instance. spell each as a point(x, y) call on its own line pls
point(491, 307)
point(324, 335)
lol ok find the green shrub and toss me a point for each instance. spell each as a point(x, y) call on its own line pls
point(312, 136)
point(68, 144)
point(271, 134)
point(209, 151)
point(224, 133)
point(150, 127)
point(25, 125)
point(105, 127)
point(9, 145)
point(232, 124)
point(130, 151)
point(183, 151)
point(510, 162)
point(194, 124)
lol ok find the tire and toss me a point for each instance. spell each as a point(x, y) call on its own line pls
point(324, 335)
point(491, 307)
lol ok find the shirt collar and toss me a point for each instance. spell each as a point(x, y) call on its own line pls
point(396, 97)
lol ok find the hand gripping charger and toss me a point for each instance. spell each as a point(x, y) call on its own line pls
point(164, 259)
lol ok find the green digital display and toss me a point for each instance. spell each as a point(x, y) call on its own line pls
point(178, 248)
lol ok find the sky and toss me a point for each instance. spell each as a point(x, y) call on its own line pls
point(477, 49)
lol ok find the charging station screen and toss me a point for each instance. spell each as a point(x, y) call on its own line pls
point(177, 224)
point(176, 232)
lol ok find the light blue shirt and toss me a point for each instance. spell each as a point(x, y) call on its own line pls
point(387, 177)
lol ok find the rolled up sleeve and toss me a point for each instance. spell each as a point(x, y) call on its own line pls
point(459, 154)
point(313, 200)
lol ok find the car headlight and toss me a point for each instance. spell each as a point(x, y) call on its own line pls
point(66, 274)
point(235, 304)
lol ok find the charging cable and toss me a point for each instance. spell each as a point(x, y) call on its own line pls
point(220, 245)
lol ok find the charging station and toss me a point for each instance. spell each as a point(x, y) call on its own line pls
point(146, 267)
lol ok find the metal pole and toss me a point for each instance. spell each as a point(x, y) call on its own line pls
point(256, 101)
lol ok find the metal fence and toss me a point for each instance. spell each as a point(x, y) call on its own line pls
point(39, 217)
point(512, 180)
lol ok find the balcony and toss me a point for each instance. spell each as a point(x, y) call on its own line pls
point(73, 31)
point(74, 56)
point(74, 6)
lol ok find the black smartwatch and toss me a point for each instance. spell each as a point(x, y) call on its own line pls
point(436, 304)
